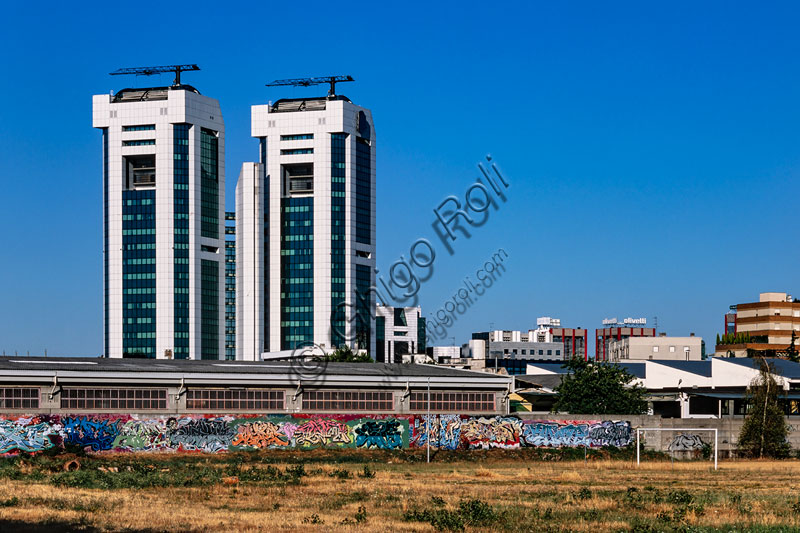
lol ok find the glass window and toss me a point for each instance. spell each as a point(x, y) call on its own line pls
point(143, 127)
point(400, 317)
point(347, 400)
point(453, 401)
point(235, 400)
point(19, 398)
point(106, 398)
point(300, 137)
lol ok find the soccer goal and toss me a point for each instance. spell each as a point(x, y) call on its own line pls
point(686, 439)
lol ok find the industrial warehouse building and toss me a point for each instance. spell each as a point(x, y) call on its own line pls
point(33, 385)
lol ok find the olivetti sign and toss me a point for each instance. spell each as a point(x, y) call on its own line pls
point(625, 322)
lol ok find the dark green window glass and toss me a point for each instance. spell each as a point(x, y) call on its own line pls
point(363, 192)
point(230, 286)
point(180, 195)
point(297, 274)
point(138, 273)
point(209, 302)
point(338, 239)
point(209, 184)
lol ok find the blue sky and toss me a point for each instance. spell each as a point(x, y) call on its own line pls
point(653, 151)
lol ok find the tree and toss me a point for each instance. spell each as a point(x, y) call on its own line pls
point(764, 430)
point(717, 338)
point(791, 352)
point(345, 355)
point(593, 388)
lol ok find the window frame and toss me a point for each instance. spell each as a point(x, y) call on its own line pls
point(34, 394)
point(227, 402)
point(443, 401)
point(117, 399)
point(347, 400)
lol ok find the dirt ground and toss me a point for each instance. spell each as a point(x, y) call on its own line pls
point(322, 491)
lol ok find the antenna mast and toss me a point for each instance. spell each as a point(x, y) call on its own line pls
point(149, 71)
point(308, 82)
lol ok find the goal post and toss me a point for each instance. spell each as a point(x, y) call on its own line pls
point(685, 430)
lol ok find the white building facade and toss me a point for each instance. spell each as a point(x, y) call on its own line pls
point(163, 223)
point(306, 229)
point(399, 333)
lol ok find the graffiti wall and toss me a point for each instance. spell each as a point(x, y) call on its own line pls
point(216, 433)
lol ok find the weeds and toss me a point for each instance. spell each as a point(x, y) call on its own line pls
point(313, 519)
point(469, 513)
point(11, 502)
point(341, 474)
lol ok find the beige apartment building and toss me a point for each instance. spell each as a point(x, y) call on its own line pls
point(768, 323)
point(661, 348)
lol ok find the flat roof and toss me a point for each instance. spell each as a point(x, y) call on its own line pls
point(308, 370)
point(782, 367)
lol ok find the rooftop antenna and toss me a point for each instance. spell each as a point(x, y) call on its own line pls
point(149, 71)
point(308, 82)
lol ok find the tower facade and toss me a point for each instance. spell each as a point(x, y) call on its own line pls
point(163, 223)
point(308, 255)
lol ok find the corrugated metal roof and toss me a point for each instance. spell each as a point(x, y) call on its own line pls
point(92, 365)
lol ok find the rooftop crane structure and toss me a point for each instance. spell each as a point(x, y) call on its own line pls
point(149, 71)
point(307, 82)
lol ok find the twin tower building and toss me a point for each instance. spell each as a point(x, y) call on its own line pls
point(304, 227)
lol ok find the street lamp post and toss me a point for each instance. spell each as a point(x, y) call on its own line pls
point(428, 423)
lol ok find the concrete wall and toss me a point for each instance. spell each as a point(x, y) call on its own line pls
point(728, 428)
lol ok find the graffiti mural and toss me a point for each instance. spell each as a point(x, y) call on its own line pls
point(384, 434)
point(203, 434)
point(324, 432)
point(555, 434)
point(25, 435)
point(686, 442)
point(591, 433)
point(144, 435)
point(261, 435)
point(90, 433)
point(610, 434)
point(496, 432)
point(220, 433)
point(444, 432)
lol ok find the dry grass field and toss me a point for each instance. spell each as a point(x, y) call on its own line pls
point(325, 491)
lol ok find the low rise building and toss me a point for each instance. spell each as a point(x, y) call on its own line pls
point(616, 330)
point(763, 328)
point(657, 348)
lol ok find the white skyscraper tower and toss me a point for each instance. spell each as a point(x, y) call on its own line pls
point(163, 214)
point(305, 219)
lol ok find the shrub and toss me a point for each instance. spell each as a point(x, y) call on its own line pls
point(477, 512)
point(11, 502)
